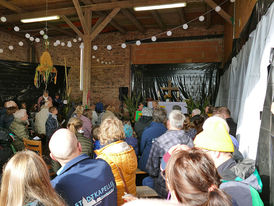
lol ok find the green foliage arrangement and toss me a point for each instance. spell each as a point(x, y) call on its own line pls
point(132, 103)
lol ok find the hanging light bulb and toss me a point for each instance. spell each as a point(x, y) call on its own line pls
point(153, 38)
point(20, 43)
point(79, 39)
point(37, 40)
point(63, 44)
point(31, 38)
point(97, 60)
point(58, 42)
point(138, 43)
point(1, 51)
point(16, 28)
point(11, 47)
point(123, 45)
point(45, 36)
point(69, 44)
point(169, 33)
point(93, 57)
point(42, 32)
point(95, 47)
point(201, 18)
point(109, 47)
point(232, 1)
point(74, 40)
point(55, 44)
point(27, 35)
point(185, 26)
point(102, 62)
point(218, 9)
point(3, 19)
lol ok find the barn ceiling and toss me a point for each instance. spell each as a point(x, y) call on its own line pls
point(126, 20)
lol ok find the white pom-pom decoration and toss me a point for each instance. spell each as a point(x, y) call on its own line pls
point(124, 45)
point(42, 32)
point(55, 44)
point(109, 47)
point(31, 38)
point(79, 39)
point(93, 57)
point(20, 43)
point(138, 43)
point(102, 62)
point(95, 47)
point(27, 35)
point(201, 18)
point(16, 28)
point(74, 40)
point(97, 60)
point(153, 38)
point(11, 47)
point(63, 44)
point(37, 40)
point(169, 33)
point(185, 26)
point(58, 42)
point(3, 19)
point(218, 9)
point(232, 1)
point(1, 51)
point(45, 36)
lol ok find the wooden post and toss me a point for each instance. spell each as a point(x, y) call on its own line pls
point(87, 69)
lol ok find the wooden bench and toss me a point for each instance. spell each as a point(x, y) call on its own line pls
point(140, 172)
point(146, 192)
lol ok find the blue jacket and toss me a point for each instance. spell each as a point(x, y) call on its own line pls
point(154, 130)
point(88, 178)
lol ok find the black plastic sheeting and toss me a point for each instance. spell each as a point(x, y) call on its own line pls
point(16, 82)
point(260, 9)
point(194, 80)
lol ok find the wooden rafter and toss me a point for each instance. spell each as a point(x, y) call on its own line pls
point(104, 23)
point(103, 15)
point(222, 13)
point(11, 6)
point(94, 7)
point(88, 20)
point(181, 13)
point(19, 10)
point(74, 28)
point(158, 19)
point(133, 20)
point(80, 15)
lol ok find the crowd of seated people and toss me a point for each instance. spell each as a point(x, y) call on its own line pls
point(189, 159)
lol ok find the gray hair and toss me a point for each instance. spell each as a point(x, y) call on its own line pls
point(176, 119)
point(159, 115)
point(196, 112)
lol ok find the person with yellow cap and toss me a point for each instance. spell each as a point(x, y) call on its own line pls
point(240, 180)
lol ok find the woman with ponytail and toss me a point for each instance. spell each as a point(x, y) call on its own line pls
point(193, 180)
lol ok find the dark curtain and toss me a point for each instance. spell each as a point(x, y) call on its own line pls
point(17, 82)
point(194, 80)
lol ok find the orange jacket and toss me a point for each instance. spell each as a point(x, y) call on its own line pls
point(120, 154)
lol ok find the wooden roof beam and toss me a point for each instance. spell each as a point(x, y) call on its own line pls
point(100, 27)
point(208, 17)
point(222, 13)
point(133, 20)
point(103, 15)
point(80, 15)
point(74, 28)
point(158, 19)
point(181, 13)
point(93, 7)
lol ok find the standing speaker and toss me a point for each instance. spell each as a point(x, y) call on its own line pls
point(123, 91)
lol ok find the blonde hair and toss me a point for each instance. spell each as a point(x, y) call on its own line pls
point(26, 179)
point(74, 124)
point(79, 110)
point(111, 130)
point(88, 113)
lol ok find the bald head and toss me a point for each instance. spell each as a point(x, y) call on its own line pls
point(64, 146)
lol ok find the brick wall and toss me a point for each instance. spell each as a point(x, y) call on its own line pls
point(107, 78)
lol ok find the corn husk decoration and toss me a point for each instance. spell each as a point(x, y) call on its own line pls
point(44, 70)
